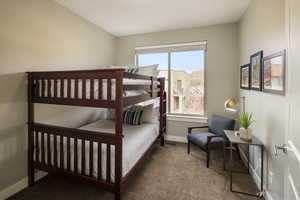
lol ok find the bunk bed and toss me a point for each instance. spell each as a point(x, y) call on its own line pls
point(92, 155)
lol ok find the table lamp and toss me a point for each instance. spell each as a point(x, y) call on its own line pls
point(233, 106)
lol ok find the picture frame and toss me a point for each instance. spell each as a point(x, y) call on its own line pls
point(245, 77)
point(274, 73)
point(256, 71)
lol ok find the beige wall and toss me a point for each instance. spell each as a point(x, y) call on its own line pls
point(221, 61)
point(263, 28)
point(34, 35)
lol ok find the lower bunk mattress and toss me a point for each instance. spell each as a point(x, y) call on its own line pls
point(137, 140)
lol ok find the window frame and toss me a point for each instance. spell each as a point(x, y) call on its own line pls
point(136, 58)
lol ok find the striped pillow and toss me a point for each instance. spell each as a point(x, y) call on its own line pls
point(133, 116)
point(132, 70)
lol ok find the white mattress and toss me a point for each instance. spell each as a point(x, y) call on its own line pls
point(104, 88)
point(137, 139)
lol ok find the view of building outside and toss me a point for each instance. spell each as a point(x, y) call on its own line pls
point(186, 79)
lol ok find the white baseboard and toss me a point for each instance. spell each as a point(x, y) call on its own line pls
point(255, 177)
point(172, 138)
point(20, 185)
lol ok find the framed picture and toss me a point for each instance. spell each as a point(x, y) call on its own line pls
point(274, 73)
point(256, 71)
point(245, 77)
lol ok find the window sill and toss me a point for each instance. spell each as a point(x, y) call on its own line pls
point(180, 118)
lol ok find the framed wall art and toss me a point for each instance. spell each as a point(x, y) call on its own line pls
point(256, 71)
point(245, 77)
point(274, 73)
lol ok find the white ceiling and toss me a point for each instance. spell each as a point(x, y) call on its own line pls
point(127, 17)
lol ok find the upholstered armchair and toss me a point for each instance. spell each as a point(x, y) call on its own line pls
point(211, 136)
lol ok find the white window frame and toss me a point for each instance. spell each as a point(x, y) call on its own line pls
point(180, 47)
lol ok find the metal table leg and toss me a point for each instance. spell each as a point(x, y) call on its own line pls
point(231, 166)
point(259, 194)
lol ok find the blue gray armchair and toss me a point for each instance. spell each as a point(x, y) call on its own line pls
point(212, 137)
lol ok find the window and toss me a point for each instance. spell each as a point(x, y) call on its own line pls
point(183, 70)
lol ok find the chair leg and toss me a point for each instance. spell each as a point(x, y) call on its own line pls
point(207, 159)
point(188, 147)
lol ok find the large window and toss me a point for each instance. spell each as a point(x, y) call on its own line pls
point(184, 74)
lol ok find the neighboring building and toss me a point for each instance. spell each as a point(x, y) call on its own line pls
point(187, 91)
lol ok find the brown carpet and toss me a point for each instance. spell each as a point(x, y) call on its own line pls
point(170, 174)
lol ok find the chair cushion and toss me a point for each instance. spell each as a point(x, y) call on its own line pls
point(217, 124)
point(200, 138)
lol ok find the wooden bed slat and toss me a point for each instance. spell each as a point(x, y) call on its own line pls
point(69, 89)
point(75, 155)
point(100, 85)
point(76, 89)
point(49, 88)
point(83, 89)
point(109, 89)
point(55, 151)
point(48, 149)
point(37, 155)
point(55, 88)
point(91, 158)
point(83, 157)
point(92, 89)
point(43, 147)
point(108, 163)
point(43, 88)
point(68, 154)
point(99, 161)
point(61, 154)
point(62, 88)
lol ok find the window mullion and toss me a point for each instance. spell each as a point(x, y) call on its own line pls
point(169, 82)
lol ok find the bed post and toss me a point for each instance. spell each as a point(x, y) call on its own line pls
point(30, 132)
point(119, 134)
point(162, 111)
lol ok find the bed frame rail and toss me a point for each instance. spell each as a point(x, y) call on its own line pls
point(74, 152)
point(93, 88)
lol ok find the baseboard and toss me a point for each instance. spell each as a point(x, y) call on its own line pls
point(20, 185)
point(172, 138)
point(255, 176)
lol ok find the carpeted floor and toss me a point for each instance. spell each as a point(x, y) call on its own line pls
point(170, 174)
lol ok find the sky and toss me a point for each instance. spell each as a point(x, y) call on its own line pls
point(183, 60)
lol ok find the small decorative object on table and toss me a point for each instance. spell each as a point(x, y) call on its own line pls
point(245, 132)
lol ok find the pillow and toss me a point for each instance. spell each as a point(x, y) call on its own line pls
point(129, 69)
point(150, 70)
point(150, 114)
point(133, 116)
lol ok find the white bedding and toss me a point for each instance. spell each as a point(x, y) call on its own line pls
point(104, 88)
point(137, 139)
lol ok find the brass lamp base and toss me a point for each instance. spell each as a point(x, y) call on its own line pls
point(246, 139)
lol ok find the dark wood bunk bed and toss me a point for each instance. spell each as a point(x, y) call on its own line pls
point(43, 88)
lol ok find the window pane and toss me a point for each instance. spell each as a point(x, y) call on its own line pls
point(187, 82)
point(160, 59)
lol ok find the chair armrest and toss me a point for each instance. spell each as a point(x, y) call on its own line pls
point(195, 127)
